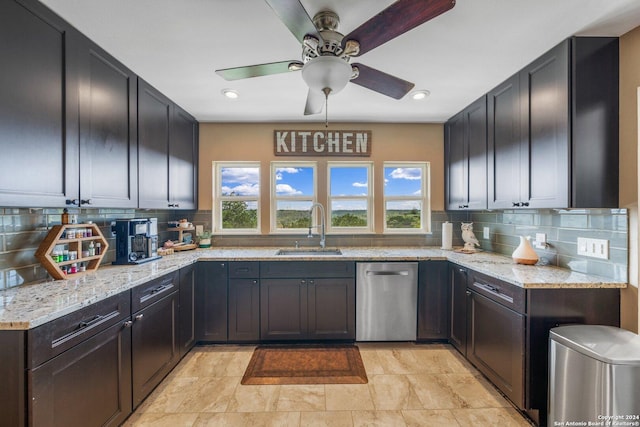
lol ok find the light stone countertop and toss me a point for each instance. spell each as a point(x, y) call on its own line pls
point(28, 306)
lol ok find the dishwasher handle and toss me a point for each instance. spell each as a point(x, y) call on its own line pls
point(388, 273)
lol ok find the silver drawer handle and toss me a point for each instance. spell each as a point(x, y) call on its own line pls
point(387, 273)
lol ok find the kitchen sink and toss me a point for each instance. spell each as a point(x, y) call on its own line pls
point(310, 251)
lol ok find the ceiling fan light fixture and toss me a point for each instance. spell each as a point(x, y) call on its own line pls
point(230, 93)
point(327, 72)
point(419, 95)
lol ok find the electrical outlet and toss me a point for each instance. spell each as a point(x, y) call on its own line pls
point(541, 241)
point(485, 233)
point(595, 248)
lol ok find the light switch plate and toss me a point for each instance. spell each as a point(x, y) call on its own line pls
point(485, 233)
point(594, 248)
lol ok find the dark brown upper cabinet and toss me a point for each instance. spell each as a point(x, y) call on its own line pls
point(553, 130)
point(167, 152)
point(38, 108)
point(466, 158)
point(108, 129)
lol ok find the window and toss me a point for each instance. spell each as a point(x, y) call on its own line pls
point(406, 199)
point(350, 193)
point(236, 198)
point(293, 191)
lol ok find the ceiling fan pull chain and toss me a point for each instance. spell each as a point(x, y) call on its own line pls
point(327, 91)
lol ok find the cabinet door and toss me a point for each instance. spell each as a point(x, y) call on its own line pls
point(456, 159)
point(183, 160)
point(108, 129)
point(38, 108)
point(331, 309)
point(187, 335)
point(90, 382)
point(283, 309)
point(154, 119)
point(154, 349)
point(475, 119)
point(244, 310)
point(544, 95)
point(211, 301)
point(503, 165)
point(458, 322)
point(496, 345)
point(433, 309)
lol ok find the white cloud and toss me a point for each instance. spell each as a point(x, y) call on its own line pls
point(360, 184)
point(406, 173)
point(241, 175)
point(242, 189)
point(286, 189)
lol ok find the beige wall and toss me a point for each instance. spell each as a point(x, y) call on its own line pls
point(254, 142)
point(629, 84)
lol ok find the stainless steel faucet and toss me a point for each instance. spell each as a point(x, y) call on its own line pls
point(322, 235)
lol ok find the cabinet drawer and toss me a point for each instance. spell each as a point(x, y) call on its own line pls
point(244, 269)
point(150, 292)
point(303, 269)
point(59, 335)
point(503, 293)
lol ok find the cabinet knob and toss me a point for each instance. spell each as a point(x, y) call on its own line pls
point(74, 202)
point(468, 293)
point(462, 270)
point(311, 282)
point(524, 204)
point(302, 282)
point(127, 324)
point(139, 316)
point(516, 204)
point(85, 201)
point(174, 205)
point(255, 282)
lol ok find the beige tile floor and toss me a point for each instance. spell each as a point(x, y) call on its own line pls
point(409, 385)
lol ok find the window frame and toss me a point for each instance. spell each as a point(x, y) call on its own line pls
point(369, 198)
point(218, 198)
point(424, 198)
point(274, 198)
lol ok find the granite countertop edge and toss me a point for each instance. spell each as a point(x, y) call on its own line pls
point(28, 306)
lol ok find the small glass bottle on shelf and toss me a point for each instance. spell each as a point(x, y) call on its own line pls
point(92, 249)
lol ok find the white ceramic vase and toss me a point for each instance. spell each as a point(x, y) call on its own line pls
point(524, 253)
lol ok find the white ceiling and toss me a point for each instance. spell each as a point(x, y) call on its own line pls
point(177, 44)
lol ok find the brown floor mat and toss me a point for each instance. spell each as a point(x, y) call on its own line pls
point(305, 364)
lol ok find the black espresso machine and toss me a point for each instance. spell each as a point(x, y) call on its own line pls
point(136, 240)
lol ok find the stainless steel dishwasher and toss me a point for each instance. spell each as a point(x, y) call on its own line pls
point(386, 301)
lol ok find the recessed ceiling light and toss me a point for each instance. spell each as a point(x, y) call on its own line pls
point(420, 94)
point(230, 93)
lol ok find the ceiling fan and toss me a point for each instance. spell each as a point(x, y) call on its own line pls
point(326, 54)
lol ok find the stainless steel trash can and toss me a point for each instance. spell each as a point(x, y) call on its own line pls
point(594, 376)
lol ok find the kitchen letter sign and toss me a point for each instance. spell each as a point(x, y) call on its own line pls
point(322, 143)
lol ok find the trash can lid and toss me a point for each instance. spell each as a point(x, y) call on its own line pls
point(605, 343)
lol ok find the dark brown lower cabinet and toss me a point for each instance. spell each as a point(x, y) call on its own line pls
point(433, 308)
point(211, 301)
point(154, 336)
point(307, 300)
point(495, 345)
point(458, 307)
point(244, 310)
point(89, 384)
point(187, 332)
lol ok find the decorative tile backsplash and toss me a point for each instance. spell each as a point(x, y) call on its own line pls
point(22, 230)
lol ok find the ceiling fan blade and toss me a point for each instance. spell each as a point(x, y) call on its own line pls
point(295, 17)
point(257, 70)
point(395, 20)
point(315, 102)
point(380, 82)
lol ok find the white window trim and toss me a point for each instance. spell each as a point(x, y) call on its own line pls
point(369, 199)
point(217, 199)
point(274, 198)
point(424, 198)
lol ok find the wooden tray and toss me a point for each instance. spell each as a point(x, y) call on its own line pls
point(188, 247)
